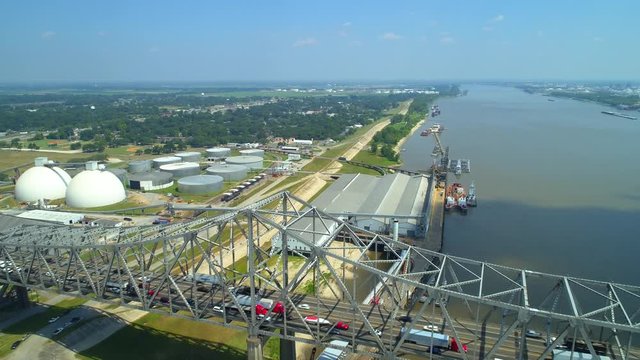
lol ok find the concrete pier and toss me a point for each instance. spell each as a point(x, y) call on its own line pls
point(435, 234)
point(254, 348)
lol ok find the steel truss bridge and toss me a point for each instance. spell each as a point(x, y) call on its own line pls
point(490, 308)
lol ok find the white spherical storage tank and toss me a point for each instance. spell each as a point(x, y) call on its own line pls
point(93, 188)
point(200, 184)
point(229, 172)
point(41, 182)
point(252, 162)
point(181, 169)
point(189, 156)
point(252, 152)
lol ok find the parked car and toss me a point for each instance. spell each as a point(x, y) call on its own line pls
point(54, 319)
point(404, 318)
point(15, 344)
point(75, 319)
point(58, 331)
point(218, 309)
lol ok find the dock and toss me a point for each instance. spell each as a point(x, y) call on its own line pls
point(435, 231)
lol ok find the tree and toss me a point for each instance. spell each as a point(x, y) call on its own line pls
point(374, 148)
point(75, 146)
point(139, 152)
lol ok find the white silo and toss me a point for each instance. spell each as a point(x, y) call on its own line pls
point(165, 160)
point(182, 169)
point(251, 162)
point(94, 188)
point(200, 184)
point(41, 182)
point(189, 156)
point(139, 166)
point(229, 172)
point(218, 152)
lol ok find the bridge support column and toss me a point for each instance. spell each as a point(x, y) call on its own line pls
point(254, 348)
point(22, 295)
point(288, 348)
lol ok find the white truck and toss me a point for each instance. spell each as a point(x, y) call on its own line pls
point(427, 338)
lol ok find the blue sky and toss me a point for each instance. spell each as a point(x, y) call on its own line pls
point(321, 40)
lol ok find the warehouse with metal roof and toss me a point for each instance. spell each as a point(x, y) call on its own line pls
point(394, 194)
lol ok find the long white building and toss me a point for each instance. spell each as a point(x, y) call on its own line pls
point(398, 194)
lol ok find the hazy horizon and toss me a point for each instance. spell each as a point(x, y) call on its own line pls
point(288, 41)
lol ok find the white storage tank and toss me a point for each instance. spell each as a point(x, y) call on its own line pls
point(121, 174)
point(181, 169)
point(218, 152)
point(139, 166)
point(200, 184)
point(189, 156)
point(228, 172)
point(41, 182)
point(165, 160)
point(93, 188)
point(251, 162)
point(252, 152)
point(154, 180)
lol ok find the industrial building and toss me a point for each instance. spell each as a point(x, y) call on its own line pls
point(59, 217)
point(165, 160)
point(229, 172)
point(251, 162)
point(42, 182)
point(189, 156)
point(139, 166)
point(93, 188)
point(358, 193)
point(181, 169)
point(200, 184)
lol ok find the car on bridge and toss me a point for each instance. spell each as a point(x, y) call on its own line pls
point(316, 320)
point(304, 306)
point(533, 334)
point(342, 325)
point(404, 318)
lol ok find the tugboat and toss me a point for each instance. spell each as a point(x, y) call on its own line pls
point(471, 197)
point(462, 204)
point(450, 203)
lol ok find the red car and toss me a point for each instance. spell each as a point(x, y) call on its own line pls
point(342, 325)
point(261, 310)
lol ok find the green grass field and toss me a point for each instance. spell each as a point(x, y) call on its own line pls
point(161, 337)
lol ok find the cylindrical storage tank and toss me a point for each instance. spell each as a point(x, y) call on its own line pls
point(121, 174)
point(228, 171)
point(182, 169)
point(218, 152)
point(200, 184)
point(154, 180)
point(165, 160)
point(93, 188)
point(252, 162)
point(252, 152)
point(189, 156)
point(139, 166)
